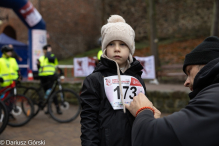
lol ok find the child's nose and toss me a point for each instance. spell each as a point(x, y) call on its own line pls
point(117, 48)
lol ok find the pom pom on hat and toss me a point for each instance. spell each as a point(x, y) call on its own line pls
point(115, 18)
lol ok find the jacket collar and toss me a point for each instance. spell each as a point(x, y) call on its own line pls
point(107, 64)
point(208, 75)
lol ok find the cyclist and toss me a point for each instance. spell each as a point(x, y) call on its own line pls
point(47, 71)
point(9, 69)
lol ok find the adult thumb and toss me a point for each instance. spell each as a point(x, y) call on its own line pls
point(127, 106)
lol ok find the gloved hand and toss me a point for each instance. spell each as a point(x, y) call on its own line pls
point(1, 80)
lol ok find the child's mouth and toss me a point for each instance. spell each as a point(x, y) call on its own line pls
point(117, 57)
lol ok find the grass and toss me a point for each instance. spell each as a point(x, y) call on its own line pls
point(89, 53)
point(141, 45)
point(69, 61)
point(172, 40)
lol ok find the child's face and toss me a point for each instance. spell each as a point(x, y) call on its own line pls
point(118, 51)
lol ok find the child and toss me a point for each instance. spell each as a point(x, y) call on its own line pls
point(104, 120)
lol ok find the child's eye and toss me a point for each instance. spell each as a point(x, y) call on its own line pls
point(123, 44)
point(110, 44)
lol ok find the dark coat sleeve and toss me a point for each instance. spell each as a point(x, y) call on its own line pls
point(196, 124)
point(90, 102)
point(148, 131)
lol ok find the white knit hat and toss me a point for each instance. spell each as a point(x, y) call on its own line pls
point(118, 29)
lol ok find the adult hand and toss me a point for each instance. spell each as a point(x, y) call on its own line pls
point(138, 102)
point(20, 59)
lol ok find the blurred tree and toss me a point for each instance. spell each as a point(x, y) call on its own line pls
point(132, 11)
point(153, 32)
point(214, 26)
point(103, 12)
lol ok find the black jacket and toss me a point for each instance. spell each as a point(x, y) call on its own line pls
point(100, 124)
point(195, 125)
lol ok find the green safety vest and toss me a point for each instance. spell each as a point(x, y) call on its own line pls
point(99, 54)
point(47, 68)
point(8, 70)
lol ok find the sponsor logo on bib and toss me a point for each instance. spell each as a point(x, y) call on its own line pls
point(108, 82)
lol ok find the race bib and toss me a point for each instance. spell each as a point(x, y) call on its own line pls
point(130, 87)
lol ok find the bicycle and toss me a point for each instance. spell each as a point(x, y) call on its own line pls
point(68, 101)
point(19, 107)
point(3, 117)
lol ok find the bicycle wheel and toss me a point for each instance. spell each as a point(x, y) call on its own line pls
point(35, 98)
point(20, 110)
point(3, 117)
point(68, 102)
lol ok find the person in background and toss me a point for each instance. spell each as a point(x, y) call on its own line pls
point(100, 52)
point(9, 71)
point(197, 123)
point(47, 65)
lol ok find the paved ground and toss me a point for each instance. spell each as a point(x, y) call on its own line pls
point(42, 127)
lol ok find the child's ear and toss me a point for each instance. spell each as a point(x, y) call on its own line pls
point(130, 58)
